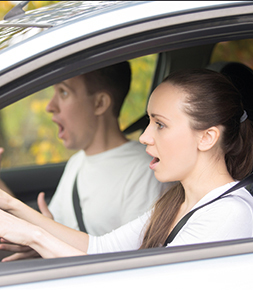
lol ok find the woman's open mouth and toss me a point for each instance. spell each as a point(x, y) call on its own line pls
point(154, 162)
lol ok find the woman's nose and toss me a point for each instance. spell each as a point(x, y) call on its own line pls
point(146, 138)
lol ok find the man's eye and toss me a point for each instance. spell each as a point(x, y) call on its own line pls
point(63, 93)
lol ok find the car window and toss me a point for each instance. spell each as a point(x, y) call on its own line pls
point(134, 106)
point(236, 50)
point(29, 136)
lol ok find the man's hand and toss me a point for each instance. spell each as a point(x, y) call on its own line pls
point(43, 206)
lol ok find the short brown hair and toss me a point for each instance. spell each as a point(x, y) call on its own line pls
point(114, 79)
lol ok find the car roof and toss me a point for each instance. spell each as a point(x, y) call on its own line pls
point(66, 11)
point(42, 30)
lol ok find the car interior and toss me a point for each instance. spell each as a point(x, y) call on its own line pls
point(30, 180)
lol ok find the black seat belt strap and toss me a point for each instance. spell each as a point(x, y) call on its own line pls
point(77, 208)
point(183, 221)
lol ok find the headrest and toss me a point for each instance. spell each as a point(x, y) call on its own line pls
point(242, 78)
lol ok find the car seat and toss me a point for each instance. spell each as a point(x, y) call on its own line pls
point(242, 78)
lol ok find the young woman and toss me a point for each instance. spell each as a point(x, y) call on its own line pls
point(199, 135)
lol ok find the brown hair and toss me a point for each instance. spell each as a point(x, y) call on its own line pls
point(114, 79)
point(211, 100)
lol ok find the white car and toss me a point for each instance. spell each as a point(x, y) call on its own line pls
point(42, 47)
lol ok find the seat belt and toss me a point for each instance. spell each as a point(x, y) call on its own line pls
point(77, 207)
point(183, 221)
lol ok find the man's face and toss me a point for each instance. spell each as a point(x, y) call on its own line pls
point(73, 112)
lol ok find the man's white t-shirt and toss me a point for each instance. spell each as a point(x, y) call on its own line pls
point(226, 219)
point(115, 187)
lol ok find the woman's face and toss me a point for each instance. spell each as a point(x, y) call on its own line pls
point(169, 138)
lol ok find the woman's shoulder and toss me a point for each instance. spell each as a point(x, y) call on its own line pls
point(239, 201)
point(238, 204)
point(240, 195)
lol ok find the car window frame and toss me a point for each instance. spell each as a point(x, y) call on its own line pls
point(125, 48)
point(46, 269)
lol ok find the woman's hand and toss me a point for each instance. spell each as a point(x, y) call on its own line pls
point(22, 225)
point(15, 230)
point(21, 232)
point(7, 202)
point(20, 252)
point(23, 252)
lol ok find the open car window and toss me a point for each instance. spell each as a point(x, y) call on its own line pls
point(30, 137)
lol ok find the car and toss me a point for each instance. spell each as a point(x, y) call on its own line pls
point(44, 46)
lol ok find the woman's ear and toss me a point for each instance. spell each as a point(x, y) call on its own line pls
point(102, 103)
point(208, 138)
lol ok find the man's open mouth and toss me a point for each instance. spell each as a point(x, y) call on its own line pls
point(60, 127)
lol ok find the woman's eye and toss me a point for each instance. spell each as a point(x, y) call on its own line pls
point(159, 125)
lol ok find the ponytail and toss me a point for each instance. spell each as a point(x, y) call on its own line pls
point(239, 155)
point(163, 216)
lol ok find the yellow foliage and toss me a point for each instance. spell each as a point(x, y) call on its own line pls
point(15, 142)
point(44, 152)
point(38, 106)
point(6, 6)
point(35, 106)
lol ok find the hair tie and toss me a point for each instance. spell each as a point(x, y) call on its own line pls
point(244, 116)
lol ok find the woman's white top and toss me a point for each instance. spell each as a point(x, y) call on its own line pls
point(226, 219)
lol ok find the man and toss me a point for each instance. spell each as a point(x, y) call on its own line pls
point(114, 182)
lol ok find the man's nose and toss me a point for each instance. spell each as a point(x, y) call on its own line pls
point(52, 106)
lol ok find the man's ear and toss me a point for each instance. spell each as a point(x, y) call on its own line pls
point(102, 103)
point(208, 138)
